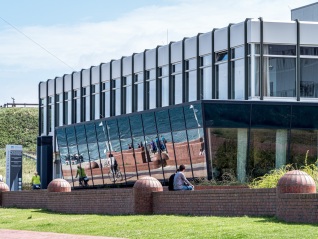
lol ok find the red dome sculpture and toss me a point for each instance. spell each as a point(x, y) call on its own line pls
point(148, 182)
point(296, 181)
point(143, 189)
point(59, 185)
point(4, 187)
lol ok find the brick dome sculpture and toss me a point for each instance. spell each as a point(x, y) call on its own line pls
point(59, 185)
point(296, 181)
point(4, 187)
point(143, 189)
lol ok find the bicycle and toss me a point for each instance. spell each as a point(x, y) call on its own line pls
point(114, 176)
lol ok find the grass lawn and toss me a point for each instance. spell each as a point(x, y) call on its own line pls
point(154, 226)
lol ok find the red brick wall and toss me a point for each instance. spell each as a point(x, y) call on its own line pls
point(301, 208)
point(297, 207)
point(110, 201)
point(229, 202)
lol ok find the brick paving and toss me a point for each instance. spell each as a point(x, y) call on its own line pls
point(17, 234)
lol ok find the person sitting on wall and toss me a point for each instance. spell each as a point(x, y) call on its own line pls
point(180, 182)
point(81, 174)
point(36, 181)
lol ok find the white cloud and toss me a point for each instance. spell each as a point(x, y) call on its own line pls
point(84, 45)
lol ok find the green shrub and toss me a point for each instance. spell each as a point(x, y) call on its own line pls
point(270, 179)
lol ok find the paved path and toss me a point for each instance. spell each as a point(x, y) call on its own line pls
point(16, 234)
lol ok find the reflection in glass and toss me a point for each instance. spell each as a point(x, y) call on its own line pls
point(262, 152)
point(303, 143)
point(178, 89)
point(182, 151)
point(149, 123)
point(222, 81)
point(177, 119)
point(165, 91)
point(308, 78)
point(193, 116)
point(197, 152)
point(163, 123)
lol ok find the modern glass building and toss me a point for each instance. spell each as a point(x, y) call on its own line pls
point(234, 102)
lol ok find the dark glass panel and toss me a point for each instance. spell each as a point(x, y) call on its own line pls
point(270, 116)
point(223, 153)
point(309, 51)
point(90, 133)
point(227, 115)
point(149, 123)
point(193, 115)
point(177, 119)
point(136, 125)
point(63, 154)
point(101, 130)
point(70, 134)
point(262, 152)
point(301, 142)
point(281, 50)
point(80, 134)
point(61, 137)
point(197, 152)
point(163, 124)
point(308, 78)
point(124, 128)
point(304, 117)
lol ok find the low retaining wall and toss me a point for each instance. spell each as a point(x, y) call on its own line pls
point(111, 201)
point(301, 208)
point(298, 207)
point(227, 202)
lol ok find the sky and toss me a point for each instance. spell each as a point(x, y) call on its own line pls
point(44, 39)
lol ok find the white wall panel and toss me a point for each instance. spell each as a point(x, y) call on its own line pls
point(163, 55)
point(150, 59)
point(138, 62)
point(176, 51)
point(59, 85)
point(280, 32)
point(127, 65)
point(105, 71)
point(43, 89)
point(116, 69)
point(308, 33)
point(76, 80)
point(220, 39)
point(86, 75)
point(205, 43)
point(68, 82)
point(237, 34)
point(253, 31)
point(51, 87)
point(95, 74)
point(190, 47)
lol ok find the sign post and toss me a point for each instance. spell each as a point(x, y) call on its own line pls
point(14, 167)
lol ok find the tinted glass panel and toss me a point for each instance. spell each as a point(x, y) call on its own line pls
point(280, 50)
point(193, 115)
point(136, 125)
point(149, 123)
point(90, 133)
point(270, 116)
point(61, 137)
point(305, 117)
point(309, 51)
point(177, 119)
point(308, 78)
point(80, 134)
point(124, 128)
point(112, 129)
point(226, 115)
point(70, 134)
point(163, 124)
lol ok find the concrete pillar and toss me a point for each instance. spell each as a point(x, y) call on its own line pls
point(241, 154)
point(281, 148)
